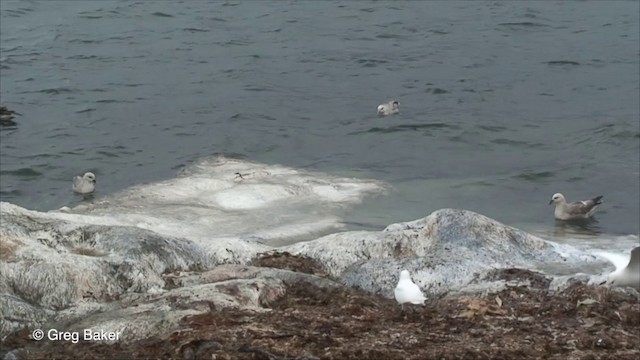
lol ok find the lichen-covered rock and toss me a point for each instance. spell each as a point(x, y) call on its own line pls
point(49, 264)
point(445, 253)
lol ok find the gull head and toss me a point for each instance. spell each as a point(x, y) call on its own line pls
point(389, 108)
point(89, 176)
point(557, 198)
point(404, 275)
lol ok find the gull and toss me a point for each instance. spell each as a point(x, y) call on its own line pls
point(575, 210)
point(392, 107)
point(85, 184)
point(627, 271)
point(6, 116)
point(408, 292)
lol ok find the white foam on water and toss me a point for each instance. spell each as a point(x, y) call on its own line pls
point(586, 239)
point(221, 197)
point(589, 250)
point(249, 197)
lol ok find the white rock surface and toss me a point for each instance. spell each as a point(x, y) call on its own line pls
point(445, 253)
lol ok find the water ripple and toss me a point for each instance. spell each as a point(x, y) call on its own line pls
point(518, 143)
point(562, 62)
point(22, 172)
point(17, 12)
point(535, 177)
point(193, 30)
point(492, 128)
point(407, 127)
point(523, 24)
point(161, 14)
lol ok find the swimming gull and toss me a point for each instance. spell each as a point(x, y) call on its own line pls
point(407, 291)
point(575, 210)
point(627, 271)
point(85, 184)
point(6, 116)
point(392, 107)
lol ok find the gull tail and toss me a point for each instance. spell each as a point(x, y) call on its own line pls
point(597, 200)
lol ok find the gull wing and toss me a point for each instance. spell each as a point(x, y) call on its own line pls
point(583, 207)
point(77, 181)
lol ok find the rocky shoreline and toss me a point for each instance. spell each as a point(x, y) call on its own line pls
point(311, 321)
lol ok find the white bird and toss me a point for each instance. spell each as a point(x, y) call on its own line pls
point(85, 184)
point(408, 292)
point(392, 107)
point(575, 210)
point(627, 271)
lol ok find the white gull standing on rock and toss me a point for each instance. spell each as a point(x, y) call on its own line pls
point(575, 210)
point(407, 291)
point(627, 271)
point(85, 184)
point(392, 107)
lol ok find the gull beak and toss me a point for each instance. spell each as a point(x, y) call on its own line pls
point(550, 201)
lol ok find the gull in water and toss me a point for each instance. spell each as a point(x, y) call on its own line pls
point(6, 116)
point(85, 184)
point(627, 271)
point(392, 107)
point(575, 210)
point(407, 291)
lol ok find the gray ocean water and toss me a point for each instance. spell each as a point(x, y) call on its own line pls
point(502, 103)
